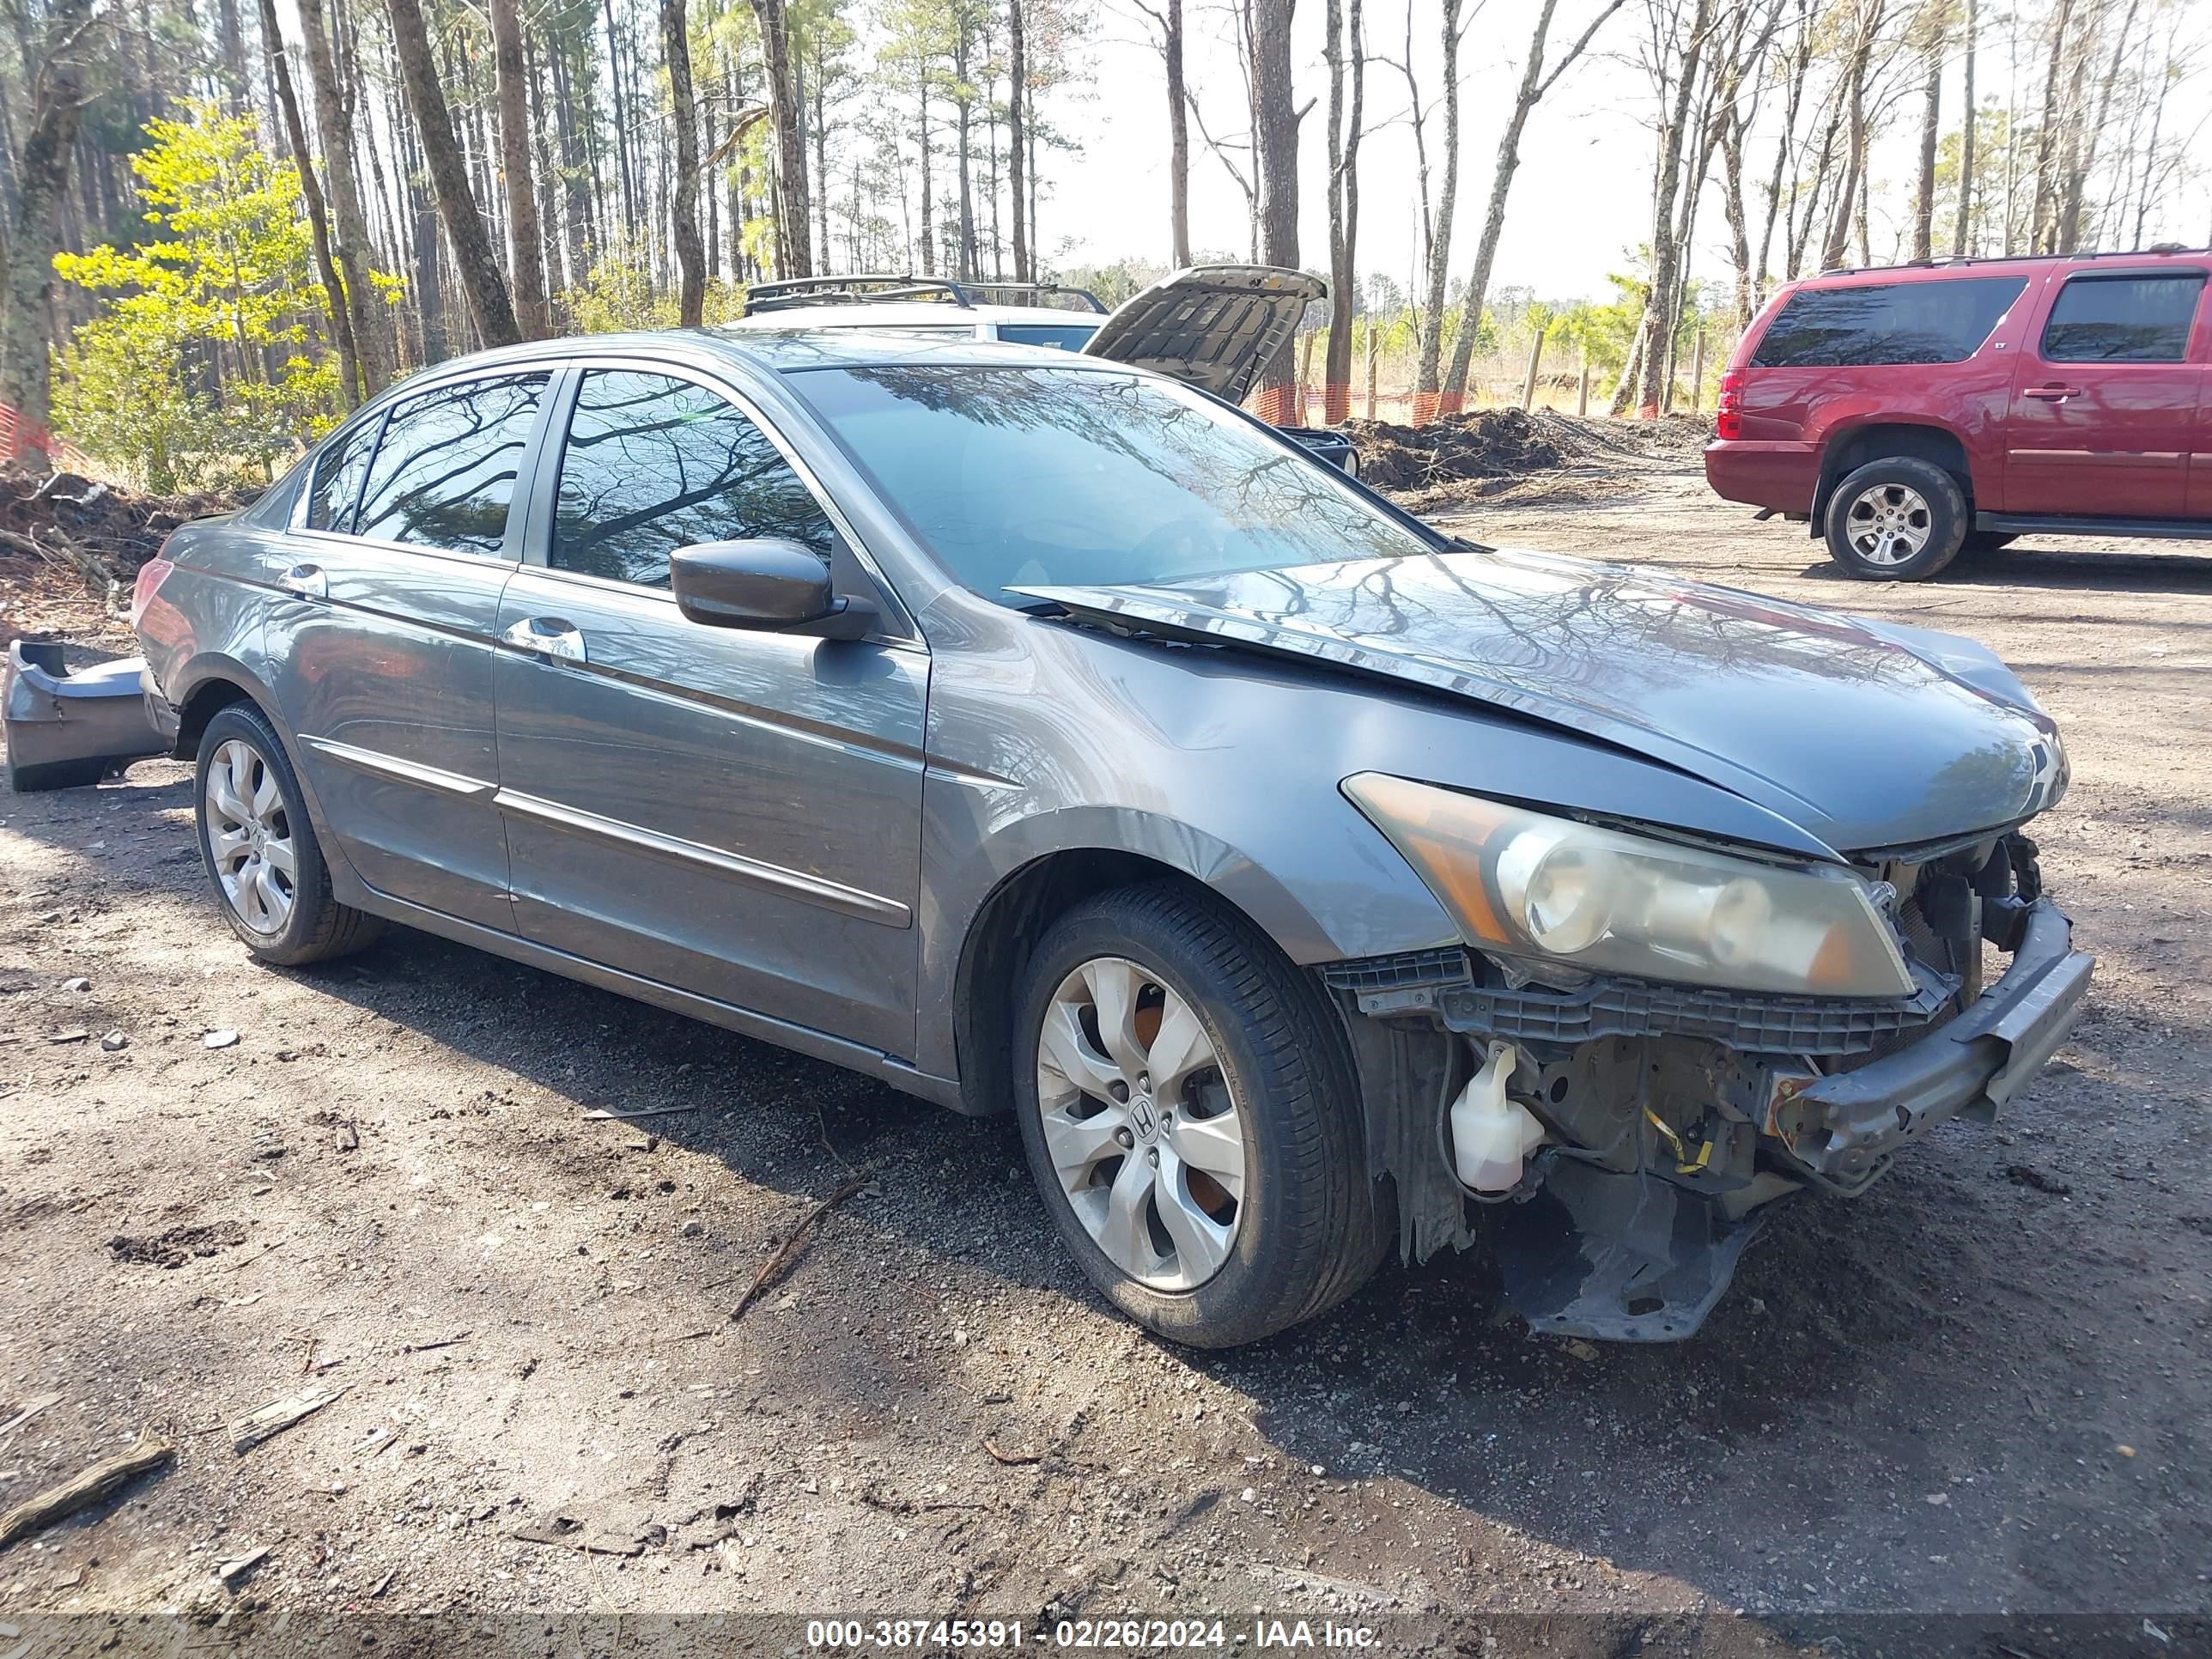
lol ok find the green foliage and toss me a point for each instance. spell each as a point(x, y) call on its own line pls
point(207, 360)
point(618, 296)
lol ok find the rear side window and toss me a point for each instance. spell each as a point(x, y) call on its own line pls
point(2122, 320)
point(654, 464)
point(339, 470)
point(1931, 322)
point(1066, 336)
point(444, 474)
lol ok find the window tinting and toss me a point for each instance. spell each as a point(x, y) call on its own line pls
point(1015, 477)
point(339, 473)
point(1932, 322)
point(654, 464)
point(2122, 320)
point(1068, 337)
point(445, 473)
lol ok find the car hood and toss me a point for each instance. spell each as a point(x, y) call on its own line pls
point(1215, 326)
point(1865, 735)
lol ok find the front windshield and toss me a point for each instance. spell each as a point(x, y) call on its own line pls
point(1048, 477)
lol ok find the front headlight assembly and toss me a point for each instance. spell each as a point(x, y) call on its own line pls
point(1525, 885)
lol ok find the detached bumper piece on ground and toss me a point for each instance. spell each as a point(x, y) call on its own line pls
point(1676, 1117)
point(66, 729)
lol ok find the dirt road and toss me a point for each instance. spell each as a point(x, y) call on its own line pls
point(1981, 1391)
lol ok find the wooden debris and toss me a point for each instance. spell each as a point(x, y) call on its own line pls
point(250, 1430)
point(101, 1480)
point(999, 1454)
point(436, 1342)
point(565, 1532)
point(383, 1583)
point(597, 1115)
point(32, 1408)
point(787, 1252)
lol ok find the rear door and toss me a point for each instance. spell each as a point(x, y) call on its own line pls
point(734, 812)
point(381, 640)
point(2105, 396)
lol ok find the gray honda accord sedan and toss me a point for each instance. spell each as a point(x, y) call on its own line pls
point(1040, 734)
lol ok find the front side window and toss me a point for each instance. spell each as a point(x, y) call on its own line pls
point(444, 474)
point(1922, 322)
point(335, 491)
point(2122, 320)
point(654, 464)
point(1018, 477)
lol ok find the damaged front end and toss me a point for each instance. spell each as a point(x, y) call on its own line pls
point(1672, 1116)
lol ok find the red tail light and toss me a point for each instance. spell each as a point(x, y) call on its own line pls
point(151, 576)
point(1727, 414)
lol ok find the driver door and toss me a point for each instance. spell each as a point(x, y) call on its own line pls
point(733, 812)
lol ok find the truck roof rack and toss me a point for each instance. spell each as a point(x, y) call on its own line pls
point(2157, 250)
point(790, 292)
point(1024, 293)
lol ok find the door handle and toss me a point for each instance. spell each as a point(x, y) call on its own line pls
point(547, 636)
point(2051, 394)
point(307, 580)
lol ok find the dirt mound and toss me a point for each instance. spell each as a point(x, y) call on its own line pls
point(1487, 444)
point(102, 528)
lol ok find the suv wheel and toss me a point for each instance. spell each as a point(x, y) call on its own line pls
point(1190, 1115)
point(1896, 520)
point(260, 851)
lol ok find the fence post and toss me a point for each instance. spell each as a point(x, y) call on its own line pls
point(1581, 398)
point(1535, 357)
point(1698, 373)
point(1371, 332)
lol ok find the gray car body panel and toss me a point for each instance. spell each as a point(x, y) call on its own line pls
point(1044, 736)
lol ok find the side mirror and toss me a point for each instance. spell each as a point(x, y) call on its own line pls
point(771, 582)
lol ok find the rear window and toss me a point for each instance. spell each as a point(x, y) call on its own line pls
point(1936, 322)
point(2122, 320)
point(1065, 336)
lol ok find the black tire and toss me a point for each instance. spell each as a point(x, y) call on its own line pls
point(316, 927)
point(1940, 515)
point(1980, 543)
point(1309, 1231)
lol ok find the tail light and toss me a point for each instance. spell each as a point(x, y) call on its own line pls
point(1727, 414)
point(151, 576)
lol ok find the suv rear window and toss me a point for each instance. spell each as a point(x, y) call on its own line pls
point(2122, 320)
point(1934, 322)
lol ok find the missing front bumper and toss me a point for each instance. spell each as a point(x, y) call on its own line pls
point(66, 729)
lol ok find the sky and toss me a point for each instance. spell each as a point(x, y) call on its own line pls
point(1580, 203)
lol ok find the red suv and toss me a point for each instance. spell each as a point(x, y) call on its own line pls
point(1913, 414)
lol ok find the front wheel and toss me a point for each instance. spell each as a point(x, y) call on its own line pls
point(260, 851)
point(1897, 520)
point(1190, 1115)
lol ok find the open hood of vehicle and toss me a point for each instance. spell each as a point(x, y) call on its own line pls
point(1216, 326)
point(1865, 737)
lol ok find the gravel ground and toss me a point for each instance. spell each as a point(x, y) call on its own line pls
point(1980, 1392)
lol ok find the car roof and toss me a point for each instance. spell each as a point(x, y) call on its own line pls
point(2021, 265)
point(783, 349)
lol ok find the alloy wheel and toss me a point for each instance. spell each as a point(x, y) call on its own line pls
point(250, 837)
point(1889, 523)
point(1141, 1123)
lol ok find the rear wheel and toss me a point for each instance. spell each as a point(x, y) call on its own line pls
point(1896, 520)
point(1190, 1115)
point(260, 851)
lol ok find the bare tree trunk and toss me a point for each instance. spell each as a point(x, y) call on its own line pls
point(1931, 131)
point(1534, 83)
point(928, 216)
point(962, 109)
point(2039, 217)
point(1962, 238)
point(483, 288)
point(1170, 21)
point(1276, 158)
point(1835, 248)
point(1428, 372)
point(27, 258)
point(350, 378)
point(350, 242)
point(2078, 179)
point(1018, 73)
point(690, 253)
point(1666, 252)
point(526, 241)
point(230, 41)
point(793, 217)
point(1342, 37)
